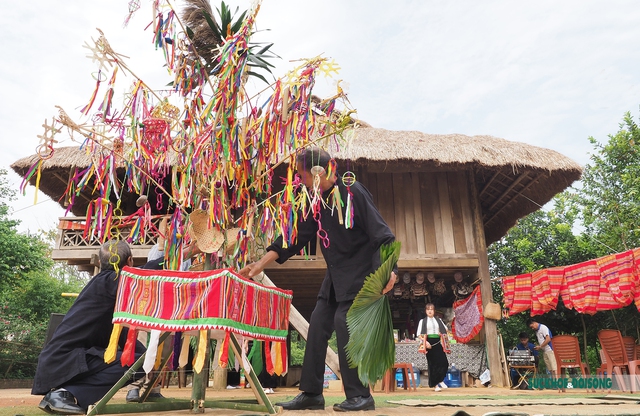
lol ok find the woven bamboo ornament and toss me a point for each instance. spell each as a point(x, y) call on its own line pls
point(208, 238)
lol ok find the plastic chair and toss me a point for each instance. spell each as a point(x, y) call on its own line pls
point(616, 357)
point(602, 370)
point(630, 346)
point(566, 348)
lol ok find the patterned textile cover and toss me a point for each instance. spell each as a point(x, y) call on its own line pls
point(466, 357)
point(177, 301)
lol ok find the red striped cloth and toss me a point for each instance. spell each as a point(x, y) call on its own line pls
point(522, 294)
point(617, 272)
point(606, 301)
point(636, 263)
point(580, 289)
point(169, 300)
point(545, 289)
point(508, 291)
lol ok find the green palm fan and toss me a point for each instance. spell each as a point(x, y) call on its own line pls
point(371, 347)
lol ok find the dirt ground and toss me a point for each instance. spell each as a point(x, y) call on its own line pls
point(454, 401)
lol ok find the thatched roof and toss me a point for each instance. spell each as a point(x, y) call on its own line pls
point(380, 145)
point(512, 179)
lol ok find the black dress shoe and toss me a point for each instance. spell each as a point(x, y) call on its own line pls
point(60, 402)
point(356, 403)
point(304, 401)
point(133, 396)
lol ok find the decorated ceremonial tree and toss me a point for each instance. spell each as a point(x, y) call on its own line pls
point(206, 145)
point(203, 153)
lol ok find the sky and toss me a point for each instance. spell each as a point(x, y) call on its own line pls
point(546, 73)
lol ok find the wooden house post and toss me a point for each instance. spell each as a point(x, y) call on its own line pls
point(490, 327)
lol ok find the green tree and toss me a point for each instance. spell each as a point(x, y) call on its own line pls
point(606, 206)
point(543, 239)
point(609, 206)
point(30, 290)
point(21, 253)
point(609, 200)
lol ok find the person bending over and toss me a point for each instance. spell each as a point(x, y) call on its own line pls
point(71, 371)
point(351, 255)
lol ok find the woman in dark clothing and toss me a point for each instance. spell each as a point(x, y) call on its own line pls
point(429, 330)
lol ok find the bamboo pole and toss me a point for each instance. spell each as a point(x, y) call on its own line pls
point(98, 408)
point(255, 385)
point(154, 380)
point(201, 379)
point(178, 404)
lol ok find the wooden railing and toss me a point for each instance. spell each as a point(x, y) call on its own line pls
point(71, 234)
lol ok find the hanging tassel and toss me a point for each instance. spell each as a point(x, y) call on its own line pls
point(202, 350)
point(38, 175)
point(255, 357)
point(87, 107)
point(284, 359)
point(152, 350)
point(337, 203)
point(224, 351)
point(277, 355)
point(110, 352)
point(129, 351)
point(156, 364)
point(177, 349)
point(184, 351)
point(268, 363)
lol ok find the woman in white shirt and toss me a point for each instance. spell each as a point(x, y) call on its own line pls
point(429, 330)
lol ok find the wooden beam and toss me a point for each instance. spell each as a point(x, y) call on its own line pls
point(534, 180)
point(519, 179)
point(489, 182)
point(490, 327)
point(302, 326)
point(438, 264)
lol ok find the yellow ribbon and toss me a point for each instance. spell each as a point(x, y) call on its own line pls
point(278, 368)
point(156, 365)
point(184, 351)
point(202, 350)
point(110, 352)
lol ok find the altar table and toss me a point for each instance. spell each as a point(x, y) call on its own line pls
point(467, 357)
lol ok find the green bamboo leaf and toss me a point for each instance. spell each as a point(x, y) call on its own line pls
point(255, 74)
point(213, 25)
point(371, 346)
point(189, 32)
point(236, 26)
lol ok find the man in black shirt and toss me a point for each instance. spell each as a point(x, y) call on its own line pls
point(351, 255)
point(71, 369)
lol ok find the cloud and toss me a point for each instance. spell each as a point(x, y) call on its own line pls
point(546, 73)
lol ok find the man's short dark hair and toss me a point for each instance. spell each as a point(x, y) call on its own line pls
point(313, 156)
point(530, 321)
point(114, 252)
point(523, 335)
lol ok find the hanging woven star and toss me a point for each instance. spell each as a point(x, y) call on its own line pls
point(46, 139)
